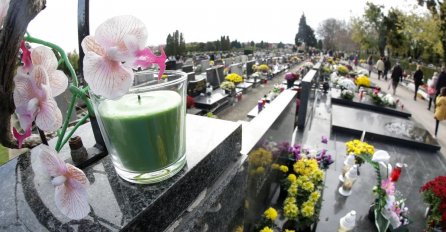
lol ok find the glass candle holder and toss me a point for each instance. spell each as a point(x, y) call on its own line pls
point(144, 130)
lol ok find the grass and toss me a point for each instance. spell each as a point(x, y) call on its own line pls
point(4, 155)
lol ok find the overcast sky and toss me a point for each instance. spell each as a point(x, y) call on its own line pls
point(200, 20)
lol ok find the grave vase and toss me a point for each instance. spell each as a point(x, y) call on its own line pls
point(144, 130)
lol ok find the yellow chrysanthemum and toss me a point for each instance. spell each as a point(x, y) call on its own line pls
point(314, 196)
point(234, 77)
point(260, 170)
point(292, 190)
point(239, 229)
point(290, 211)
point(275, 166)
point(292, 178)
point(308, 186)
point(289, 200)
point(283, 168)
point(266, 229)
point(260, 157)
point(270, 214)
point(287, 230)
point(307, 210)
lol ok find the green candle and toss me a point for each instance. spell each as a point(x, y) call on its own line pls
point(144, 130)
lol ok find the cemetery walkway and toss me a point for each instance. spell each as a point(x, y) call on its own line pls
point(417, 108)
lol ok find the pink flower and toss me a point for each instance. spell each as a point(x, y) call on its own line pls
point(4, 5)
point(388, 186)
point(110, 55)
point(70, 185)
point(34, 92)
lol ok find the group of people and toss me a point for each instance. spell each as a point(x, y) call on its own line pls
point(436, 85)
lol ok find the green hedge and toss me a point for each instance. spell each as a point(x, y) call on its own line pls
point(4, 155)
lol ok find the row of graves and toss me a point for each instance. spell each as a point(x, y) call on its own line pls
point(384, 161)
point(216, 84)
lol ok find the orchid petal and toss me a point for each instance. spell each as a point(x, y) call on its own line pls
point(26, 113)
point(40, 76)
point(112, 32)
point(146, 58)
point(78, 175)
point(44, 56)
point(72, 199)
point(49, 117)
point(54, 165)
point(21, 137)
point(58, 82)
point(26, 56)
point(23, 90)
point(107, 77)
point(89, 44)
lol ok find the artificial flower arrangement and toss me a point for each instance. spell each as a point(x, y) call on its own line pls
point(434, 194)
point(111, 55)
point(362, 61)
point(389, 208)
point(294, 59)
point(359, 149)
point(259, 160)
point(378, 98)
point(308, 64)
point(346, 83)
point(347, 94)
point(227, 85)
point(363, 81)
point(330, 60)
point(263, 68)
point(342, 70)
point(234, 78)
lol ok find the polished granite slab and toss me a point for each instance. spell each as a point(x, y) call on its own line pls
point(217, 100)
point(366, 104)
point(296, 83)
point(382, 127)
point(255, 111)
point(27, 202)
point(245, 85)
point(419, 170)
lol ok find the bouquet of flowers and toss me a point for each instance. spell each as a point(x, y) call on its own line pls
point(234, 77)
point(263, 68)
point(359, 149)
point(227, 85)
point(388, 209)
point(389, 101)
point(346, 83)
point(362, 81)
point(308, 64)
point(347, 94)
point(342, 70)
point(434, 194)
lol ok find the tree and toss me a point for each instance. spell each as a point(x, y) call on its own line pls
point(336, 35)
point(438, 10)
point(175, 44)
point(305, 34)
point(236, 44)
point(281, 45)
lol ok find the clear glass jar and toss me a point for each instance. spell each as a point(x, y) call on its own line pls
point(144, 130)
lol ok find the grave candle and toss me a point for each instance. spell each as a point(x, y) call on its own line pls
point(144, 129)
point(144, 133)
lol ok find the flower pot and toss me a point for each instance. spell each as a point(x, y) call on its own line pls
point(144, 130)
point(289, 84)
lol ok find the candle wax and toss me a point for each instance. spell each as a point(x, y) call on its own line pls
point(144, 130)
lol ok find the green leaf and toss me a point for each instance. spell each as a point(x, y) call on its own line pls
point(382, 224)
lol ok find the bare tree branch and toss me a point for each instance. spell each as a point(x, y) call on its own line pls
point(20, 13)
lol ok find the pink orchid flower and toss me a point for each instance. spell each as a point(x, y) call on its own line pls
point(70, 185)
point(110, 55)
point(34, 92)
point(4, 6)
point(388, 186)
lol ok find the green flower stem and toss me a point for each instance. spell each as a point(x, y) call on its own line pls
point(61, 52)
point(82, 93)
point(82, 121)
point(65, 123)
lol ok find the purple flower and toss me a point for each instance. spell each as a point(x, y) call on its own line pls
point(324, 139)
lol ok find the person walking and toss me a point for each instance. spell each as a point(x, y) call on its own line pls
point(380, 67)
point(431, 91)
point(397, 74)
point(418, 80)
point(440, 109)
point(356, 61)
point(441, 80)
point(370, 63)
point(387, 66)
